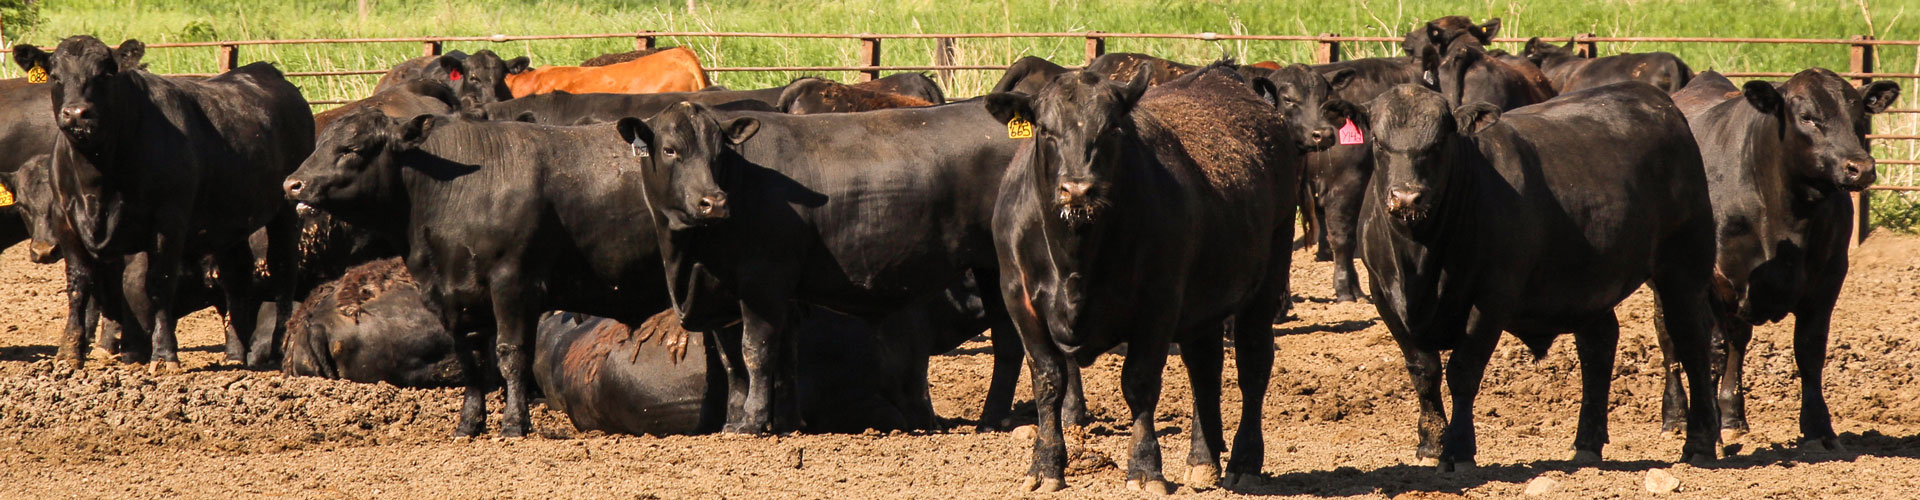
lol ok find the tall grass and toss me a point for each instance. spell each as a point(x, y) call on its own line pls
point(205, 20)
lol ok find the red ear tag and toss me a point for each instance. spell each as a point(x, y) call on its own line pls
point(1350, 134)
point(453, 75)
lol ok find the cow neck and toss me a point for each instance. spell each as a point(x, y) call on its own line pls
point(1072, 254)
point(1433, 255)
point(1785, 200)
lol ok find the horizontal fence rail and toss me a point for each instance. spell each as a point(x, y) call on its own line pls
point(868, 66)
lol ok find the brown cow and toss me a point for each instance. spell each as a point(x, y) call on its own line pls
point(672, 70)
point(816, 95)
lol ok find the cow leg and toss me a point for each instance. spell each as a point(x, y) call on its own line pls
point(1738, 336)
point(1047, 370)
point(80, 304)
point(1007, 356)
point(105, 332)
point(236, 284)
point(127, 297)
point(283, 279)
point(1253, 363)
point(1465, 369)
point(1673, 401)
point(1424, 368)
point(1073, 406)
point(1596, 344)
point(1688, 323)
point(1810, 328)
point(513, 350)
point(1202, 352)
point(762, 323)
point(727, 341)
point(1140, 382)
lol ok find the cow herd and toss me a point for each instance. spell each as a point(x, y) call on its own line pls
point(650, 254)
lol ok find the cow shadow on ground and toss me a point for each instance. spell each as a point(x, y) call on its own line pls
point(27, 353)
point(1394, 480)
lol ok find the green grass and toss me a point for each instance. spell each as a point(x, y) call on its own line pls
point(182, 21)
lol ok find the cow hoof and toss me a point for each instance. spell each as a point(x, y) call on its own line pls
point(745, 429)
point(1826, 445)
point(1455, 466)
point(1428, 462)
point(1237, 480)
point(159, 368)
point(1728, 435)
point(1586, 457)
point(1697, 459)
point(1204, 476)
point(1037, 485)
point(1154, 486)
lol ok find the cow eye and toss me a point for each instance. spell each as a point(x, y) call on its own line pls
point(670, 152)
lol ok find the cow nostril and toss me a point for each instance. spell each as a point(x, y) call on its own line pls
point(293, 187)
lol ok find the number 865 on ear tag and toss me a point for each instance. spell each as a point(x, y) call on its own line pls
point(1019, 128)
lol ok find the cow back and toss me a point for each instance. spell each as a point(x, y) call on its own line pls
point(672, 70)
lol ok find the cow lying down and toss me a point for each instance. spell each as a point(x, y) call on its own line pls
point(654, 378)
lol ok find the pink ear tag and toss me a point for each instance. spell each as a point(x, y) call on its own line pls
point(1350, 134)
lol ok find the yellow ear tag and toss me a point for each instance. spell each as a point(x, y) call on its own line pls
point(1019, 128)
point(35, 74)
point(6, 197)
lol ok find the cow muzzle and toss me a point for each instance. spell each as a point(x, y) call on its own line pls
point(1857, 173)
point(1319, 139)
point(1078, 200)
point(41, 252)
point(1407, 203)
point(77, 121)
point(712, 207)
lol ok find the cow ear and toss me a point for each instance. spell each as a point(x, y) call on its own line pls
point(1534, 50)
point(1487, 31)
point(1006, 106)
point(635, 132)
point(129, 53)
point(1762, 96)
point(1880, 95)
point(1430, 66)
point(740, 129)
point(518, 65)
point(27, 55)
point(414, 132)
point(1266, 90)
point(1340, 78)
point(1475, 118)
point(1339, 111)
point(1136, 88)
point(449, 68)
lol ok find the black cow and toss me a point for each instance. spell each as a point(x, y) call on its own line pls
point(561, 108)
point(1439, 33)
point(790, 216)
point(476, 79)
point(1027, 75)
point(169, 169)
point(1334, 181)
point(498, 221)
point(26, 131)
point(1144, 217)
point(371, 325)
point(1780, 158)
point(815, 95)
point(1460, 68)
point(405, 100)
point(1536, 222)
point(1569, 72)
point(1122, 66)
point(917, 85)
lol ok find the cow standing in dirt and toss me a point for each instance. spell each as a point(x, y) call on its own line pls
point(1192, 180)
point(163, 171)
point(1780, 160)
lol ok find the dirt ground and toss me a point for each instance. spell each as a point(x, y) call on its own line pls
point(1340, 422)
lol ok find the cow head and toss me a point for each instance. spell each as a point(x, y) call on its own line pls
point(1443, 31)
point(1076, 119)
point(685, 181)
point(478, 79)
point(1302, 96)
point(1538, 52)
point(354, 172)
point(1417, 136)
point(32, 187)
point(1823, 125)
point(1446, 67)
point(91, 84)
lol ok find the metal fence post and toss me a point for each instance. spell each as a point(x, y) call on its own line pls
point(229, 57)
point(645, 41)
point(1326, 50)
point(869, 57)
point(943, 52)
point(1096, 45)
point(1860, 61)
point(1584, 46)
point(431, 48)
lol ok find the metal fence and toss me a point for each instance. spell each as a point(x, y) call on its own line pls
point(1327, 48)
